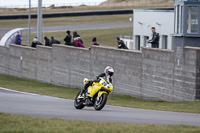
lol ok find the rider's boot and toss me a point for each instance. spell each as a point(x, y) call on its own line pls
point(85, 87)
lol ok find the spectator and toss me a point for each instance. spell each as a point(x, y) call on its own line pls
point(68, 38)
point(18, 39)
point(77, 43)
point(35, 43)
point(47, 41)
point(53, 41)
point(94, 42)
point(75, 35)
point(79, 37)
point(155, 39)
point(121, 44)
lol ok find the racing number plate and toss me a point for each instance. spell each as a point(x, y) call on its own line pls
point(103, 83)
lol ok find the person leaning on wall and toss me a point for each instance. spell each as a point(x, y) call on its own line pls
point(121, 44)
point(54, 41)
point(77, 43)
point(155, 38)
point(47, 41)
point(79, 37)
point(94, 43)
point(68, 38)
point(18, 39)
point(35, 43)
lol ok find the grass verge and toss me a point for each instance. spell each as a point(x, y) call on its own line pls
point(65, 21)
point(70, 93)
point(104, 37)
point(25, 124)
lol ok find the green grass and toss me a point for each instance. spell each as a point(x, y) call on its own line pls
point(25, 124)
point(70, 93)
point(105, 37)
point(65, 21)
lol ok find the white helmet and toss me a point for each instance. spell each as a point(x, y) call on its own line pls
point(109, 70)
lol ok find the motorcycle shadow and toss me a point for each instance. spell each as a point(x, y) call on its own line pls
point(93, 110)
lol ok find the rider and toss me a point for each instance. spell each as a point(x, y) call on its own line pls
point(108, 72)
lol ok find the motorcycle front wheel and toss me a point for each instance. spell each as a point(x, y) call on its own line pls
point(78, 102)
point(100, 102)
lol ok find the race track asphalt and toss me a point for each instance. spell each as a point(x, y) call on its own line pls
point(76, 27)
point(28, 104)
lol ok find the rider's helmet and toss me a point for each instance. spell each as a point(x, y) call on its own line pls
point(109, 70)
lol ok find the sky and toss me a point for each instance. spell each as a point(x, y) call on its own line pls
point(25, 3)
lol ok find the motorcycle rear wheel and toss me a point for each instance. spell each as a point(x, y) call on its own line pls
point(78, 103)
point(100, 103)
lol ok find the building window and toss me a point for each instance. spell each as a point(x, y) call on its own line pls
point(180, 28)
point(164, 41)
point(138, 42)
point(176, 19)
point(192, 19)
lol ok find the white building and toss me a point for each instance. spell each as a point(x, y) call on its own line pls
point(144, 19)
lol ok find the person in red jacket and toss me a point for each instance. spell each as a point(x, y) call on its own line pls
point(94, 42)
point(77, 43)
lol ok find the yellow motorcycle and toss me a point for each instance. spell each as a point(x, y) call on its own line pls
point(95, 95)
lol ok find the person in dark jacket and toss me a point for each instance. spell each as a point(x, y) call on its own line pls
point(53, 41)
point(155, 38)
point(18, 39)
point(107, 74)
point(77, 43)
point(121, 44)
point(75, 35)
point(35, 43)
point(47, 41)
point(94, 42)
point(68, 38)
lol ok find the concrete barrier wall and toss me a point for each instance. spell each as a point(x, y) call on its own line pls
point(44, 64)
point(15, 63)
point(149, 74)
point(187, 77)
point(70, 65)
point(4, 59)
point(28, 63)
point(157, 76)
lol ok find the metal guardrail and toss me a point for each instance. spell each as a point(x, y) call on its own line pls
point(69, 14)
